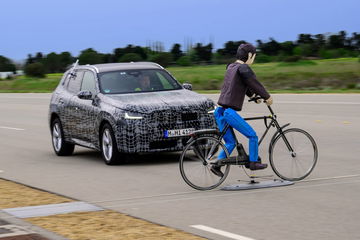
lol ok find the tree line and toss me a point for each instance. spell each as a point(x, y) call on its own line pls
point(307, 46)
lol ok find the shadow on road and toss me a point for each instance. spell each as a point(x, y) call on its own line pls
point(131, 159)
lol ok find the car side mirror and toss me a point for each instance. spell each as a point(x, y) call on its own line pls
point(86, 95)
point(187, 86)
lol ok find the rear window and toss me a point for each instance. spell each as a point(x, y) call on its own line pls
point(132, 81)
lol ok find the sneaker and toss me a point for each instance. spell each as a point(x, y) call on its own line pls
point(257, 165)
point(217, 171)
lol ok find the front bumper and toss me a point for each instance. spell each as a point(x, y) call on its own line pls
point(147, 134)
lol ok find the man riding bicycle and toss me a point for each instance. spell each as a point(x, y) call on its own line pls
point(238, 81)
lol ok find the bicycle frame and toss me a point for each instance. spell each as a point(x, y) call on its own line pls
point(273, 123)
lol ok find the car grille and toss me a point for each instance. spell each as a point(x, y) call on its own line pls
point(168, 119)
point(189, 117)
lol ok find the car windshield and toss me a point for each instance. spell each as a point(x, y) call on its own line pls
point(133, 81)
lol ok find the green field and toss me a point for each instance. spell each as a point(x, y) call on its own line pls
point(332, 75)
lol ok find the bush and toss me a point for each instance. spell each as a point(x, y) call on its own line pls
point(298, 63)
point(262, 58)
point(164, 59)
point(184, 61)
point(292, 59)
point(130, 57)
point(35, 70)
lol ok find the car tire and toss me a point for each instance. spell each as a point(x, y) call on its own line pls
point(61, 148)
point(109, 150)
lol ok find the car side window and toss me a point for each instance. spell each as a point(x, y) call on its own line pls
point(74, 82)
point(89, 83)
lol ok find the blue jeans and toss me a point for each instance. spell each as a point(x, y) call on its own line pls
point(231, 117)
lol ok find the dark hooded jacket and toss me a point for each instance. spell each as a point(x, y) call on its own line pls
point(240, 80)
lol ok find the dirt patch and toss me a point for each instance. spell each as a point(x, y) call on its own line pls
point(105, 225)
point(100, 225)
point(17, 195)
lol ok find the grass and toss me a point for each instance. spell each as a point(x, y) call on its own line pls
point(325, 76)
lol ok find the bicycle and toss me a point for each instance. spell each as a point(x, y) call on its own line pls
point(293, 154)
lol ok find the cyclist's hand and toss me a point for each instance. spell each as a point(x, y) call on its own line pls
point(269, 101)
point(255, 98)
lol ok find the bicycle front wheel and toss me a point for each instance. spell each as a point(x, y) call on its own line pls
point(297, 164)
point(195, 163)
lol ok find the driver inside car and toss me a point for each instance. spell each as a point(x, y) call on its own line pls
point(239, 81)
point(144, 83)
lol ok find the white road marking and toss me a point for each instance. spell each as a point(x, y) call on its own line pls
point(221, 232)
point(257, 191)
point(12, 128)
point(1, 171)
point(329, 178)
point(315, 102)
point(200, 192)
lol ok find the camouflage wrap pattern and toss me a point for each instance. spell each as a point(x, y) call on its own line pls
point(82, 120)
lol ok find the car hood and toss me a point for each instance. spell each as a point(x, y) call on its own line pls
point(154, 101)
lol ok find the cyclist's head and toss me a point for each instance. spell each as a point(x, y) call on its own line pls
point(246, 53)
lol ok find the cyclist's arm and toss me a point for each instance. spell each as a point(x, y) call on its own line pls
point(249, 78)
point(249, 92)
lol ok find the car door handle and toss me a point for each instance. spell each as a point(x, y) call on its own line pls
point(61, 101)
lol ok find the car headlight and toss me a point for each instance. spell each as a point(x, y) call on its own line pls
point(132, 116)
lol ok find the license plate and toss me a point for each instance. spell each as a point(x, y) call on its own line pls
point(178, 132)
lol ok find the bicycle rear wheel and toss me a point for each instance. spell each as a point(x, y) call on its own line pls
point(195, 163)
point(297, 165)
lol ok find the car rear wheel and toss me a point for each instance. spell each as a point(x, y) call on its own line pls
point(61, 148)
point(109, 150)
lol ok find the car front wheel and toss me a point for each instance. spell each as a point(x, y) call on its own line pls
point(61, 148)
point(109, 149)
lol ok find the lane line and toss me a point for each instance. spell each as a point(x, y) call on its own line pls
point(330, 178)
point(1, 171)
point(221, 232)
point(12, 128)
point(329, 103)
point(257, 191)
point(199, 192)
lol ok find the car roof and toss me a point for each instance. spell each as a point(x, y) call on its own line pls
point(109, 67)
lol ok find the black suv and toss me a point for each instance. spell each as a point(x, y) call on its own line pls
point(124, 108)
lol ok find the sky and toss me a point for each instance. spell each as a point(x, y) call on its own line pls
point(28, 27)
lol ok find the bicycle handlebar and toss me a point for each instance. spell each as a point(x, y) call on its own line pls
point(254, 99)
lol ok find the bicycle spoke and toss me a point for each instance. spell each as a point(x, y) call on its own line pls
point(293, 165)
point(195, 163)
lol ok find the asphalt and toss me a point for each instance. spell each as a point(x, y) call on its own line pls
point(324, 206)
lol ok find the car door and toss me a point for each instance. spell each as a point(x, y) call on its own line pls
point(72, 117)
point(87, 109)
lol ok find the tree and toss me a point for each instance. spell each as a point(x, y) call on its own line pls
point(184, 61)
point(6, 65)
point(119, 52)
point(35, 70)
point(90, 56)
point(164, 59)
point(176, 51)
point(305, 39)
point(204, 53)
point(287, 47)
point(29, 59)
point(65, 60)
point(271, 48)
point(230, 48)
point(336, 41)
point(38, 57)
point(130, 57)
point(52, 63)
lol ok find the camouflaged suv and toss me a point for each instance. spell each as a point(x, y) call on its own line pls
point(125, 108)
